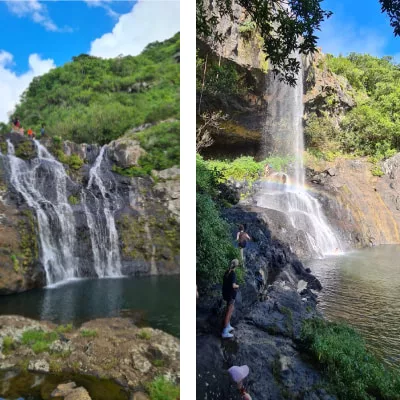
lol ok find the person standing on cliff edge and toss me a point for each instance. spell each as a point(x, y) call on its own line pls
point(242, 237)
point(229, 290)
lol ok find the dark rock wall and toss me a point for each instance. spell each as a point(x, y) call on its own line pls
point(147, 218)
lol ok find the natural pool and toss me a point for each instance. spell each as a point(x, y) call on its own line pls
point(152, 301)
point(362, 288)
point(26, 386)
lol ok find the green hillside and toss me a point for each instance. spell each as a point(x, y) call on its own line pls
point(97, 100)
point(372, 127)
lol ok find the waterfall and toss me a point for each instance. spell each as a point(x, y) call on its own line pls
point(101, 222)
point(42, 183)
point(283, 136)
point(43, 186)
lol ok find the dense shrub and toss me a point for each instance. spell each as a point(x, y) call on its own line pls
point(353, 372)
point(372, 126)
point(161, 143)
point(96, 100)
point(215, 248)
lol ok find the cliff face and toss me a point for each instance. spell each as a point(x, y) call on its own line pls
point(365, 209)
point(146, 212)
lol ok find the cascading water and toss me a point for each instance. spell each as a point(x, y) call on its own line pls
point(43, 187)
point(42, 183)
point(283, 136)
point(101, 222)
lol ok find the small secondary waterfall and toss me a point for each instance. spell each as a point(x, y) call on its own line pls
point(42, 183)
point(283, 136)
point(101, 222)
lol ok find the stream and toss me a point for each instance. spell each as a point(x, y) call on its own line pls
point(362, 288)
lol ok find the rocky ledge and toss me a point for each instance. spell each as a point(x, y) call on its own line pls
point(267, 320)
point(110, 348)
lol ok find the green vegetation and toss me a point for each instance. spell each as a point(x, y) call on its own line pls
point(245, 168)
point(97, 100)
point(161, 143)
point(353, 373)
point(88, 333)
point(144, 334)
point(215, 248)
point(64, 328)
point(15, 262)
point(278, 30)
point(73, 200)
point(38, 340)
point(8, 344)
point(158, 363)
point(371, 128)
point(163, 389)
point(219, 77)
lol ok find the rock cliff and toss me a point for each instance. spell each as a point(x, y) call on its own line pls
point(267, 322)
point(146, 212)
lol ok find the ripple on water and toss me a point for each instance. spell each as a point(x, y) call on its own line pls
point(362, 288)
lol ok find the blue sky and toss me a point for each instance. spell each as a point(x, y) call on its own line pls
point(26, 36)
point(357, 26)
point(36, 35)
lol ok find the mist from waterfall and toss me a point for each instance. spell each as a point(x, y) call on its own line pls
point(42, 184)
point(283, 137)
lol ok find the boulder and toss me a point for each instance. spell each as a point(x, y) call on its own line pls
point(39, 366)
point(125, 152)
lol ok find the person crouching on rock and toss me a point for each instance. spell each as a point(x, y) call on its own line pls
point(242, 237)
point(229, 290)
point(238, 374)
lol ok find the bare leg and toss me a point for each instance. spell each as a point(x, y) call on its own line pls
point(228, 315)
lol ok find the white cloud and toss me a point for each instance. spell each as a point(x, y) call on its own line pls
point(149, 21)
point(342, 38)
point(13, 85)
point(36, 11)
point(103, 4)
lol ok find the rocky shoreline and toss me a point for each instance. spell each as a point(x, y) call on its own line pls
point(112, 349)
point(268, 322)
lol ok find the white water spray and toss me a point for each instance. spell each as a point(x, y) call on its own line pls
point(103, 236)
point(43, 187)
point(283, 136)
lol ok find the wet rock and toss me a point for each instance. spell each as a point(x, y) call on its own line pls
point(69, 391)
point(301, 286)
point(39, 366)
point(60, 347)
point(139, 396)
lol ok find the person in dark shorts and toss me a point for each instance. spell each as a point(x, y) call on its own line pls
point(229, 289)
point(242, 237)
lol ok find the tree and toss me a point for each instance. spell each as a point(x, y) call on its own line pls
point(279, 22)
point(392, 8)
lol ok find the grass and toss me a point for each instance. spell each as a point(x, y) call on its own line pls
point(352, 371)
point(144, 334)
point(8, 344)
point(64, 328)
point(158, 363)
point(163, 389)
point(39, 341)
point(89, 333)
point(245, 168)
